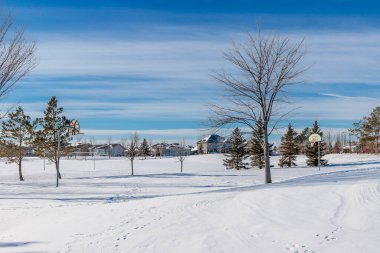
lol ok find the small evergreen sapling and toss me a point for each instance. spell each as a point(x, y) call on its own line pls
point(46, 138)
point(16, 134)
point(235, 159)
point(312, 151)
point(144, 149)
point(288, 148)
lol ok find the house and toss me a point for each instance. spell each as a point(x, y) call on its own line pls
point(82, 149)
point(108, 150)
point(158, 149)
point(173, 149)
point(213, 144)
point(30, 151)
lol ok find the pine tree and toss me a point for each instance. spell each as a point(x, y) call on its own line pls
point(312, 151)
point(256, 149)
point(337, 146)
point(46, 138)
point(288, 148)
point(235, 159)
point(302, 140)
point(144, 148)
point(16, 134)
point(368, 131)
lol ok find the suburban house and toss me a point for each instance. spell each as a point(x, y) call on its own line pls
point(173, 149)
point(176, 149)
point(83, 149)
point(213, 144)
point(108, 150)
point(158, 149)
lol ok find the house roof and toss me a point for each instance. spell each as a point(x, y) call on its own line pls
point(213, 138)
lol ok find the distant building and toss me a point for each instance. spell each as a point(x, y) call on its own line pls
point(158, 149)
point(213, 144)
point(83, 149)
point(108, 150)
point(173, 149)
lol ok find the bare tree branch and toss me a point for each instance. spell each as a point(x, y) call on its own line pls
point(265, 67)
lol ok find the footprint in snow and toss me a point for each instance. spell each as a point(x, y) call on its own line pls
point(295, 248)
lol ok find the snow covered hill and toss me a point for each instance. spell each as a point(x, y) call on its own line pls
point(204, 209)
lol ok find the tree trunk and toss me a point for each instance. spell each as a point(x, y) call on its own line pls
point(181, 166)
point(132, 167)
point(268, 177)
point(57, 169)
point(20, 171)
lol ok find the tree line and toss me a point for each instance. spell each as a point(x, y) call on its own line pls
point(367, 130)
point(292, 144)
point(19, 131)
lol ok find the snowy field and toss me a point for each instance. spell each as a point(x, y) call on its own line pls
point(205, 209)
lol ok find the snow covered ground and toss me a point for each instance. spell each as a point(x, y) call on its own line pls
point(205, 209)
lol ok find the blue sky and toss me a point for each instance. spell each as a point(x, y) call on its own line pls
point(121, 66)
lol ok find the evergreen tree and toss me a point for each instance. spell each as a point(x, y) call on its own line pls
point(330, 148)
point(302, 140)
point(337, 146)
point(368, 131)
point(144, 149)
point(16, 134)
point(235, 159)
point(256, 149)
point(288, 148)
point(312, 151)
point(46, 138)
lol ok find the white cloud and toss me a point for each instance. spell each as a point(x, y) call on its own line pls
point(342, 96)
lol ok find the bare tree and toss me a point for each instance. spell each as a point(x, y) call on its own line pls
point(17, 56)
point(124, 142)
point(181, 153)
point(93, 140)
point(109, 142)
point(264, 67)
point(132, 150)
point(79, 139)
point(329, 141)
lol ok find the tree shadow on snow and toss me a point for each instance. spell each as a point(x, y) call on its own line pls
point(374, 162)
point(163, 175)
point(16, 244)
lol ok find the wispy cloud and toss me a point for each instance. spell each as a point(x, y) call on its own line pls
point(125, 68)
point(345, 97)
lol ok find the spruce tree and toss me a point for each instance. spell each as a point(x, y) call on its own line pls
point(312, 151)
point(303, 140)
point(288, 148)
point(144, 148)
point(256, 149)
point(235, 159)
point(337, 146)
point(46, 138)
point(16, 134)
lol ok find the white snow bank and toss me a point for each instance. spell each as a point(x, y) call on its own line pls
point(204, 209)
